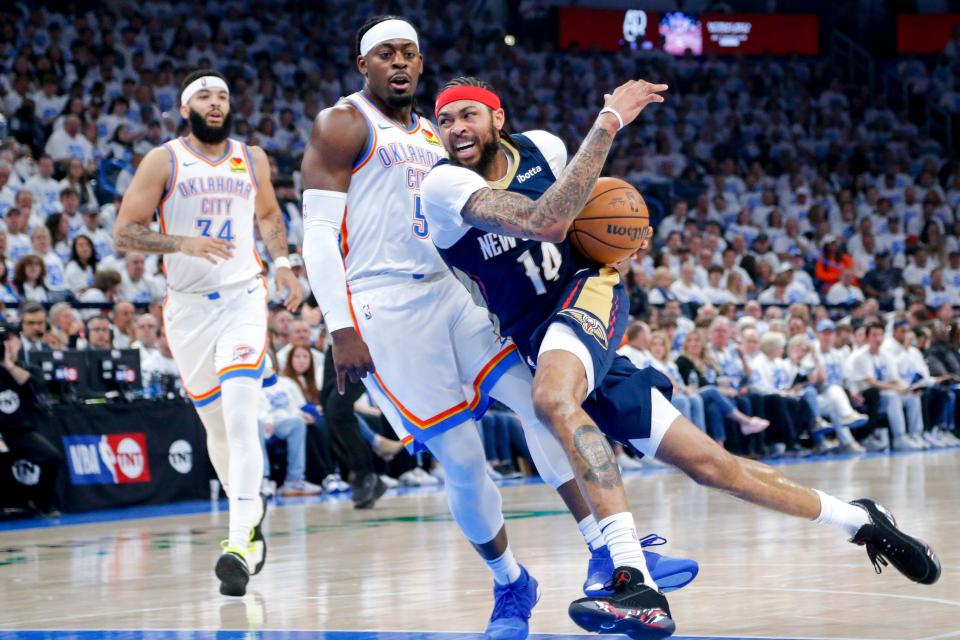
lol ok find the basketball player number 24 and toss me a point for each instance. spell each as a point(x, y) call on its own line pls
point(224, 233)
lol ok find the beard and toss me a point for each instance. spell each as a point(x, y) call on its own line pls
point(488, 153)
point(207, 134)
point(399, 102)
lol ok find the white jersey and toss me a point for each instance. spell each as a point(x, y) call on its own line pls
point(212, 198)
point(384, 230)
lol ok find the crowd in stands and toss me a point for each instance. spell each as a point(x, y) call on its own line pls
point(802, 282)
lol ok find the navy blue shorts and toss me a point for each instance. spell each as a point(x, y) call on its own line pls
point(595, 306)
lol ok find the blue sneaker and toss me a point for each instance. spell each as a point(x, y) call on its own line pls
point(512, 605)
point(670, 574)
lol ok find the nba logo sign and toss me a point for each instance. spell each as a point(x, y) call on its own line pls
point(107, 459)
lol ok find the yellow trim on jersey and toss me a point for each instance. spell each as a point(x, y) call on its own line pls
point(597, 294)
point(505, 181)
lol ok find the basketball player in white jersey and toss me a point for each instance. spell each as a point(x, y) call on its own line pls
point(389, 300)
point(207, 190)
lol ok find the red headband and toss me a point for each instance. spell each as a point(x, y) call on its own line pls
point(463, 92)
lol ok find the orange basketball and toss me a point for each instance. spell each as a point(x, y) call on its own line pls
point(613, 224)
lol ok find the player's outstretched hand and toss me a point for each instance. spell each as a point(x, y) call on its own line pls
point(207, 248)
point(631, 98)
point(286, 280)
point(351, 357)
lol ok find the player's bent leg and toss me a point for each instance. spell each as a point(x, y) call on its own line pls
point(514, 390)
point(864, 521)
point(475, 503)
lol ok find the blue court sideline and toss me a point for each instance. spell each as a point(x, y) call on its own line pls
point(182, 634)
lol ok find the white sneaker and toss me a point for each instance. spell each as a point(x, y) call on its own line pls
point(627, 463)
point(390, 482)
point(409, 478)
point(300, 488)
point(268, 487)
point(334, 484)
point(426, 480)
point(920, 441)
point(854, 418)
point(949, 437)
point(933, 438)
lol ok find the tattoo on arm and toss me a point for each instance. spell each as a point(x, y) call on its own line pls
point(595, 451)
point(137, 237)
point(503, 211)
point(274, 234)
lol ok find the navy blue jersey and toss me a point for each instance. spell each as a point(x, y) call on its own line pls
point(520, 280)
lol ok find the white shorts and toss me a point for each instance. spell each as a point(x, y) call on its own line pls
point(436, 353)
point(217, 336)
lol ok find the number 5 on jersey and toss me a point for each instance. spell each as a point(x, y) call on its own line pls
point(224, 233)
point(419, 221)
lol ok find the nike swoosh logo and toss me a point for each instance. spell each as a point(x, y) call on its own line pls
point(190, 164)
point(252, 289)
point(384, 126)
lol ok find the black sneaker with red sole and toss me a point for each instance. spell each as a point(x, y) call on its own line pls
point(886, 544)
point(634, 609)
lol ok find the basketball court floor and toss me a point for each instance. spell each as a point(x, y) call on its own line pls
point(402, 571)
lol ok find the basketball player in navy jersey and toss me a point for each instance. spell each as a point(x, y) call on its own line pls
point(499, 210)
point(400, 321)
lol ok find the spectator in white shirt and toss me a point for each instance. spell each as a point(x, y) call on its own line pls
point(951, 273)
point(69, 144)
point(18, 242)
point(46, 190)
point(845, 292)
point(107, 285)
point(54, 280)
point(148, 334)
point(138, 287)
point(714, 292)
point(661, 290)
point(102, 240)
point(159, 361)
point(299, 336)
point(685, 289)
point(7, 192)
point(638, 339)
point(869, 370)
point(281, 416)
point(919, 269)
point(675, 222)
point(938, 293)
point(82, 267)
point(124, 322)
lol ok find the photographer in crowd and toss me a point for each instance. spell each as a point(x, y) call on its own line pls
point(24, 452)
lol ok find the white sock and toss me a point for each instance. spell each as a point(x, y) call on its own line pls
point(505, 568)
point(620, 533)
point(841, 514)
point(240, 398)
point(590, 531)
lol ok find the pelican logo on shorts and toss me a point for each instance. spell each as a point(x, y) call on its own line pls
point(237, 165)
point(242, 352)
point(590, 325)
point(432, 138)
point(119, 458)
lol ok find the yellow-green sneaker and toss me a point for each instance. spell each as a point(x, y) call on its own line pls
point(232, 569)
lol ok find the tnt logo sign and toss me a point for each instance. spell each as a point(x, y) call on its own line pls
point(107, 459)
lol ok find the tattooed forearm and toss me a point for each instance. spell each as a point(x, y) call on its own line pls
point(137, 237)
point(549, 217)
point(595, 452)
point(274, 234)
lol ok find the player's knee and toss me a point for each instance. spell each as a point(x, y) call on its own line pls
point(552, 405)
point(715, 468)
